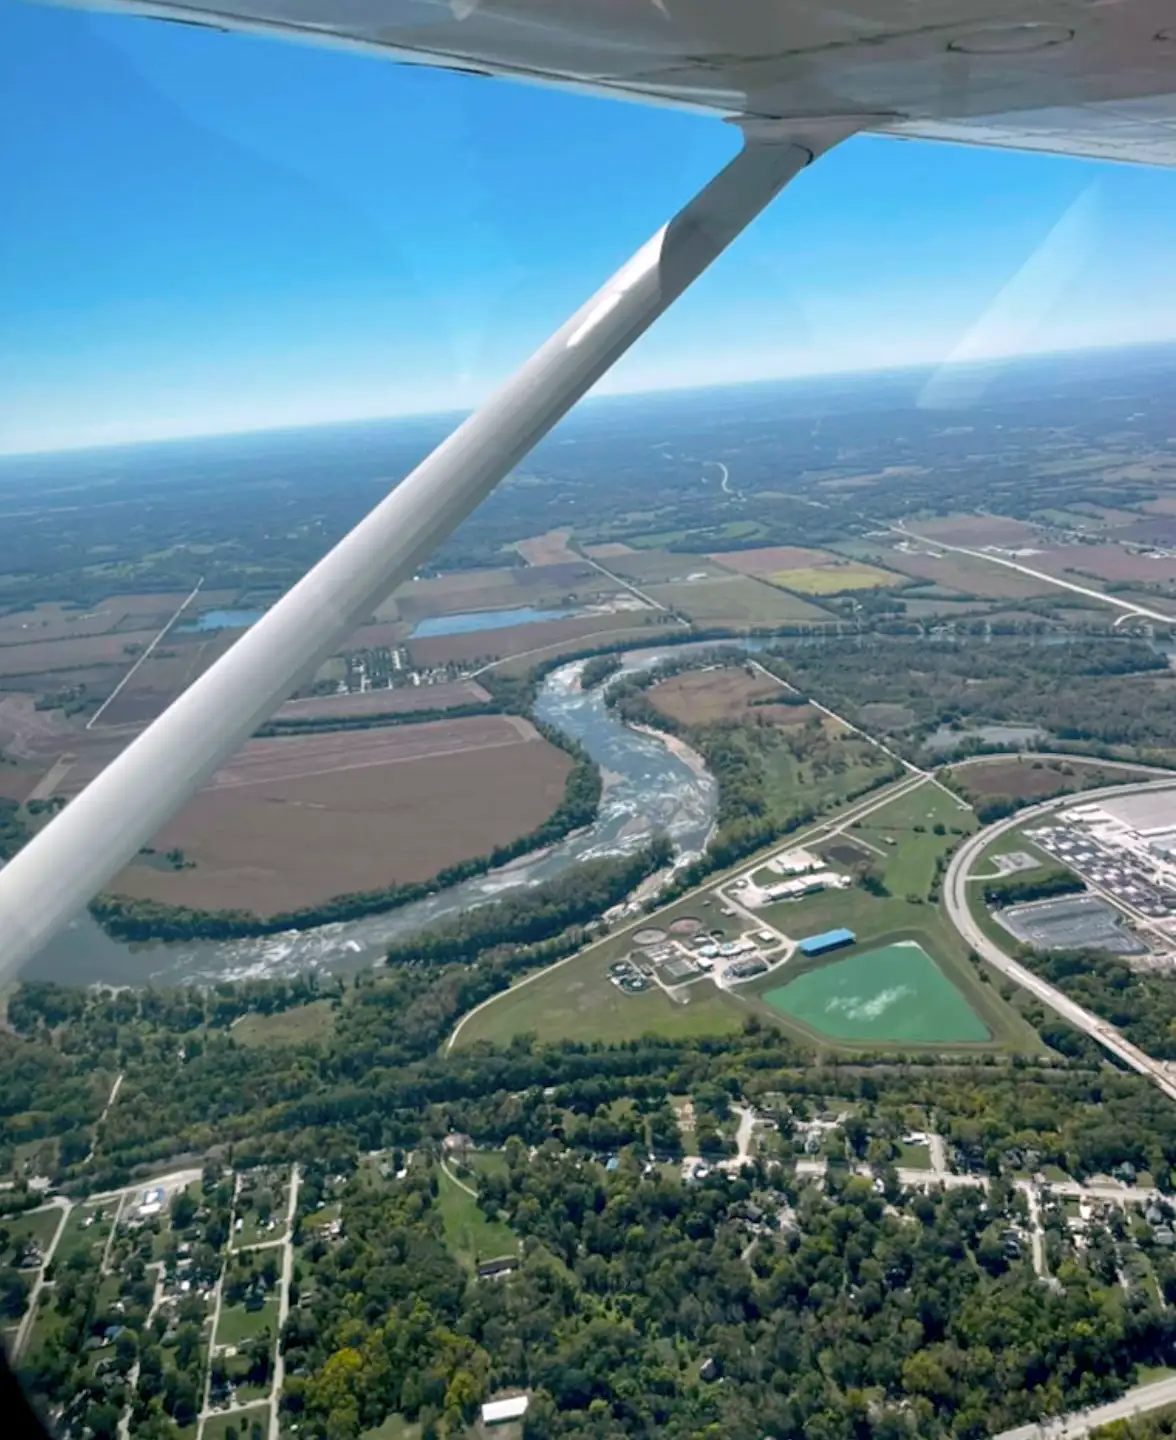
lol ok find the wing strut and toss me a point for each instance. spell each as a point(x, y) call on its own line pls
point(63, 867)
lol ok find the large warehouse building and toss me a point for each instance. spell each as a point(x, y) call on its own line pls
point(829, 940)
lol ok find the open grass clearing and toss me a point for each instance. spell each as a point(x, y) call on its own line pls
point(287, 1027)
point(469, 1233)
point(239, 1325)
point(36, 1225)
point(86, 1231)
point(577, 1001)
point(914, 1157)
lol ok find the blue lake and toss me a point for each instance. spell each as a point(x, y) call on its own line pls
point(224, 620)
point(475, 620)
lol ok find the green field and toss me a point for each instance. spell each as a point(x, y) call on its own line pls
point(577, 1001)
point(288, 1027)
point(38, 1225)
point(737, 600)
point(238, 1325)
point(217, 1427)
point(896, 993)
point(468, 1232)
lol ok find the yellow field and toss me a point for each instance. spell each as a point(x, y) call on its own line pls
point(834, 577)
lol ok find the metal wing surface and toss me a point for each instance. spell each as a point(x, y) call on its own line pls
point(1093, 78)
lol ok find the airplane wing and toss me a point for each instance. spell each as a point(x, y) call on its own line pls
point(1080, 77)
point(1094, 78)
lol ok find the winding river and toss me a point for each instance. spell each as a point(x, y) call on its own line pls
point(648, 787)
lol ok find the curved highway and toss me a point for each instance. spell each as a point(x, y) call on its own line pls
point(955, 896)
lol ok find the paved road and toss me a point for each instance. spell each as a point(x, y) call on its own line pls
point(1143, 1398)
point(284, 1303)
point(59, 1202)
point(1128, 606)
point(955, 894)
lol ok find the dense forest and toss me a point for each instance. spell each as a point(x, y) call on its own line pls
point(1093, 690)
point(1140, 1003)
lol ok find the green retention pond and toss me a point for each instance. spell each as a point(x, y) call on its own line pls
point(895, 993)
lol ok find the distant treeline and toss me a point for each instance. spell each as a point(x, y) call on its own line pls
point(323, 724)
point(128, 918)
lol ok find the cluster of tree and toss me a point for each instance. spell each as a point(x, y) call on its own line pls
point(129, 918)
point(538, 913)
point(1038, 885)
point(323, 724)
point(1140, 1003)
point(599, 669)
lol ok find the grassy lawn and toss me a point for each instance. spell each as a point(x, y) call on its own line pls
point(289, 1027)
point(487, 1162)
point(217, 1427)
point(914, 1157)
point(238, 1325)
point(38, 1225)
point(577, 1001)
point(88, 1238)
point(395, 1427)
point(468, 1233)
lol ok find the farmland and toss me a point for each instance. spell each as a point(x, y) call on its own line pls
point(700, 697)
point(293, 821)
point(978, 530)
point(959, 574)
point(811, 572)
point(1025, 778)
point(736, 600)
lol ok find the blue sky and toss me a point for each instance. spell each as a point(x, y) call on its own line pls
point(205, 232)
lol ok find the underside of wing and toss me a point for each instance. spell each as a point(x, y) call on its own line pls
point(1083, 77)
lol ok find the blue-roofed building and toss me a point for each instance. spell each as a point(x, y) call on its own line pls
point(830, 940)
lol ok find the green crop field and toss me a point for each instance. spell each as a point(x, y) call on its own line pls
point(896, 993)
point(737, 600)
